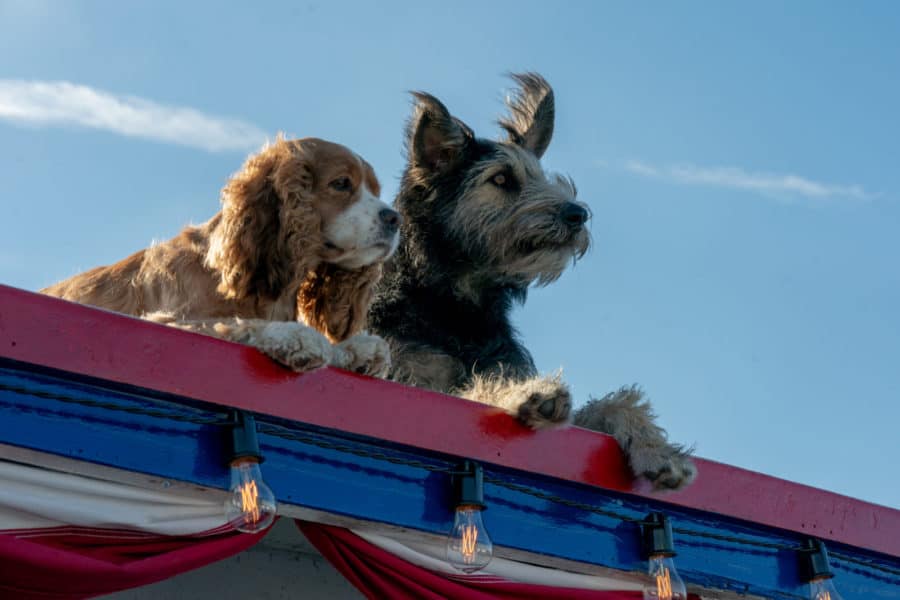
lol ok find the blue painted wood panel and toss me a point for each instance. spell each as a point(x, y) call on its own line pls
point(364, 478)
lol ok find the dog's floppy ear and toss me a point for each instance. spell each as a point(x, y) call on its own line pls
point(336, 301)
point(435, 139)
point(531, 113)
point(246, 245)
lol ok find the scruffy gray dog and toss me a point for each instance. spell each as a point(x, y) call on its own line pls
point(481, 222)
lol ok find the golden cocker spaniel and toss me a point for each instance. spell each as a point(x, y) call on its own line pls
point(288, 265)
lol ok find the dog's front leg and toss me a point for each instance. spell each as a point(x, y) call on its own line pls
point(292, 344)
point(510, 381)
point(627, 416)
point(538, 401)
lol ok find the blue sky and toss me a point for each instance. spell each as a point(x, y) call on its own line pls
point(740, 162)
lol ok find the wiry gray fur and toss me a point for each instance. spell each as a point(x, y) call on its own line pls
point(471, 245)
point(531, 113)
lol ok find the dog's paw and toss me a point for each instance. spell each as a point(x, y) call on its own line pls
point(667, 467)
point(547, 403)
point(296, 346)
point(363, 353)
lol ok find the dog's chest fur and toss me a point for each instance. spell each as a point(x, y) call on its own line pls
point(421, 304)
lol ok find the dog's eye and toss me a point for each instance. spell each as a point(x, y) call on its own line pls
point(341, 184)
point(501, 180)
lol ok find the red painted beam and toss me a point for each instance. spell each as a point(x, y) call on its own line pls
point(53, 333)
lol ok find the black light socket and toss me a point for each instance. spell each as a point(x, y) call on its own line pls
point(243, 437)
point(469, 484)
point(656, 531)
point(814, 560)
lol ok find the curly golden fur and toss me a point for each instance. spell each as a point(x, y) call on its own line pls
point(270, 229)
point(266, 258)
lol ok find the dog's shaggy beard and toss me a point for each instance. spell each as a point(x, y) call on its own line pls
point(482, 222)
point(520, 241)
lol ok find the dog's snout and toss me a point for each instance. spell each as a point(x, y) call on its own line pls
point(573, 214)
point(389, 218)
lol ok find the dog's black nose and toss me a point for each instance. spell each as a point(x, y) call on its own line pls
point(389, 218)
point(573, 214)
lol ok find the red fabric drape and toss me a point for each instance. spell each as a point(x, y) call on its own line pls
point(379, 574)
point(69, 563)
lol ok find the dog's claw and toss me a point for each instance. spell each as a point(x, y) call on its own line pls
point(545, 409)
point(296, 346)
point(667, 468)
point(365, 354)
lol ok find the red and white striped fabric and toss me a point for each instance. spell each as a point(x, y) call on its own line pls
point(66, 536)
point(384, 568)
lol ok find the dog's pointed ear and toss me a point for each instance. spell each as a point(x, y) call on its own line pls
point(531, 113)
point(435, 139)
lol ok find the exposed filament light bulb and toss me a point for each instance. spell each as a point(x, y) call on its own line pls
point(664, 582)
point(250, 506)
point(823, 589)
point(469, 547)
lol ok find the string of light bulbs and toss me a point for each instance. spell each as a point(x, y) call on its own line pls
point(252, 505)
point(251, 508)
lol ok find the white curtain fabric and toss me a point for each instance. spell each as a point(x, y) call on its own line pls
point(432, 556)
point(37, 498)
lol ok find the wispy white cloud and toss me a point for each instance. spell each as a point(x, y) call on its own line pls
point(736, 178)
point(49, 103)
